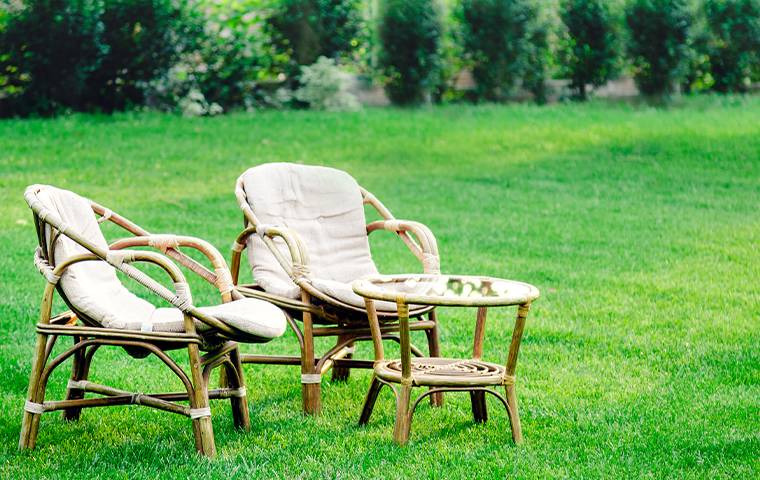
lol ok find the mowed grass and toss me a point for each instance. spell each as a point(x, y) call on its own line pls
point(641, 228)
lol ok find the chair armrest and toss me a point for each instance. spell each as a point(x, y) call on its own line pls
point(424, 245)
point(297, 267)
point(169, 244)
point(181, 298)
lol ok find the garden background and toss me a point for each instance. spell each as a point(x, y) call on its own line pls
point(205, 57)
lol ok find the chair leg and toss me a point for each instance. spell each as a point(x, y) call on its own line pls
point(31, 421)
point(479, 409)
point(202, 427)
point(312, 397)
point(514, 414)
point(341, 374)
point(369, 401)
point(311, 379)
point(403, 415)
point(240, 415)
point(79, 371)
point(434, 350)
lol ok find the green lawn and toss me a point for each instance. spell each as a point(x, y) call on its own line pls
point(641, 228)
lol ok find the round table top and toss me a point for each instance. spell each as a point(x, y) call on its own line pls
point(452, 290)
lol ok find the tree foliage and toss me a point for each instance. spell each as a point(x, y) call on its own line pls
point(588, 48)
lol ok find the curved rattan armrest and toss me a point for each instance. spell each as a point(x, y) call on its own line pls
point(220, 277)
point(181, 298)
point(297, 267)
point(424, 245)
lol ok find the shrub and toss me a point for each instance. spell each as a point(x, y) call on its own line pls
point(308, 29)
point(231, 60)
point(87, 54)
point(323, 87)
point(194, 104)
point(236, 54)
point(49, 48)
point(451, 61)
point(538, 58)
point(144, 38)
point(659, 43)
point(588, 48)
point(410, 34)
point(697, 77)
point(734, 42)
point(342, 26)
point(506, 41)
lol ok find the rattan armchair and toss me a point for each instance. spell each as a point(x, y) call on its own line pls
point(307, 239)
point(80, 266)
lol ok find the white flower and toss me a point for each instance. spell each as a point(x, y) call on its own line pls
point(215, 109)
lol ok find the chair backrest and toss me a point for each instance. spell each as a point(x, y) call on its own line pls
point(91, 288)
point(324, 207)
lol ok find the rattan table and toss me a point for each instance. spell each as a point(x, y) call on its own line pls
point(471, 375)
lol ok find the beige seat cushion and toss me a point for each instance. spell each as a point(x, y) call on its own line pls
point(324, 207)
point(344, 293)
point(93, 289)
point(249, 315)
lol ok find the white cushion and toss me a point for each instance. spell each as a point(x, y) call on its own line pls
point(344, 293)
point(249, 315)
point(93, 288)
point(324, 207)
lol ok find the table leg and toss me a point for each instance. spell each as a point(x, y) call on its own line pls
point(514, 414)
point(514, 348)
point(403, 415)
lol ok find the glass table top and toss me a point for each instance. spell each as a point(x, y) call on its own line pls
point(457, 290)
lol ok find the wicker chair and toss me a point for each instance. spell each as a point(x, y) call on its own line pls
point(76, 261)
point(307, 240)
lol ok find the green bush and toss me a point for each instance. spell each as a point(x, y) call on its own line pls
point(309, 29)
point(538, 58)
point(236, 55)
point(144, 38)
point(659, 43)
point(87, 54)
point(506, 41)
point(698, 77)
point(734, 42)
point(48, 50)
point(410, 34)
point(588, 47)
point(323, 87)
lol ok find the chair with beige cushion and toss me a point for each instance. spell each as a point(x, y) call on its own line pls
point(81, 267)
point(307, 239)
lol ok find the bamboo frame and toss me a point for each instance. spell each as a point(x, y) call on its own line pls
point(218, 343)
point(347, 323)
point(472, 375)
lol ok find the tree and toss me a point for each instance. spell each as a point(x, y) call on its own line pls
point(410, 41)
point(659, 45)
point(505, 41)
point(588, 48)
point(734, 42)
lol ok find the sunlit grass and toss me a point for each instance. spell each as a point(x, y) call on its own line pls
point(639, 226)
